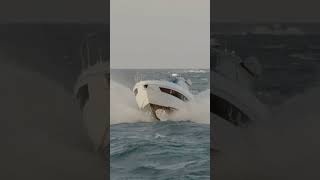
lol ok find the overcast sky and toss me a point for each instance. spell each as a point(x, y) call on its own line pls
point(265, 10)
point(54, 10)
point(160, 33)
point(96, 10)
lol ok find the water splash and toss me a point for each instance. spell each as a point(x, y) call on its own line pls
point(124, 109)
point(198, 110)
point(295, 135)
point(273, 149)
point(41, 128)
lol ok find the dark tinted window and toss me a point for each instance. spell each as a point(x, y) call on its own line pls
point(228, 111)
point(83, 95)
point(214, 60)
point(174, 93)
point(107, 76)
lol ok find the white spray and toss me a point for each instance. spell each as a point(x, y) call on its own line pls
point(41, 130)
point(283, 147)
point(124, 109)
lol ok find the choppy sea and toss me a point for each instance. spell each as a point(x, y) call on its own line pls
point(285, 145)
point(141, 148)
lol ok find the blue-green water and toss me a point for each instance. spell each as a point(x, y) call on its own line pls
point(161, 150)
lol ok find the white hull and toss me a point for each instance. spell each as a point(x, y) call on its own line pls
point(237, 143)
point(240, 96)
point(149, 97)
point(236, 115)
point(95, 110)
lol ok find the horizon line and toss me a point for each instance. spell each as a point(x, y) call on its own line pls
point(264, 21)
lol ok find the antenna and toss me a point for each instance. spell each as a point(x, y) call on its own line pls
point(88, 52)
point(138, 77)
point(94, 49)
point(85, 52)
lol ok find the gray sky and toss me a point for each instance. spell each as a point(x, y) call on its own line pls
point(265, 10)
point(54, 10)
point(160, 33)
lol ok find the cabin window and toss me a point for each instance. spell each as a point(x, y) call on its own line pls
point(228, 111)
point(83, 95)
point(174, 93)
point(135, 92)
point(214, 60)
point(107, 78)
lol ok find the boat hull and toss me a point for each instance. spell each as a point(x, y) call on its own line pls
point(150, 98)
point(95, 107)
point(241, 98)
point(240, 133)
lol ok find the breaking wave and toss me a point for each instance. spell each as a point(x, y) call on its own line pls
point(285, 143)
point(198, 111)
point(41, 130)
point(124, 109)
point(295, 135)
point(122, 105)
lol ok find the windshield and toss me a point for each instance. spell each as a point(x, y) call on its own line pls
point(174, 80)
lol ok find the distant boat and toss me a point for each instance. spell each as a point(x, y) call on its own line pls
point(277, 29)
point(310, 57)
point(275, 46)
point(196, 71)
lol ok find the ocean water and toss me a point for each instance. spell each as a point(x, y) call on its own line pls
point(141, 148)
point(286, 145)
point(290, 63)
point(42, 134)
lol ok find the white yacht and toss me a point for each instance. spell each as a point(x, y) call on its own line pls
point(236, 113)
point(162, 97)
point(92, 88)
point(232, 95)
